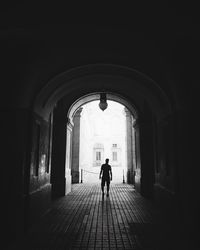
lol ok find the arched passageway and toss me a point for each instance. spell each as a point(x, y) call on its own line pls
point(48, 175)
point(47, 68)
point(97, 135)
point(55, 106)
point(71, 170)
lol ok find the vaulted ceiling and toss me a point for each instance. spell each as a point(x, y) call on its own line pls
point(162, 44)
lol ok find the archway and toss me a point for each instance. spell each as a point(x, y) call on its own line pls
point(123, 145)
point(103, 135)
point(146, 107)
point(132, 84)
point(64, 94)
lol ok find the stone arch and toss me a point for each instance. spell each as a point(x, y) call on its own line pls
point(136, 91)
point(124, 81)
point(96, 96)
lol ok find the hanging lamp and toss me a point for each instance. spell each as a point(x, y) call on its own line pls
point(103, 102)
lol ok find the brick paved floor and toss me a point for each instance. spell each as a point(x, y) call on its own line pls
point(84, 220)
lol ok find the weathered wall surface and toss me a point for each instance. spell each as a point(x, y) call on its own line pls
point(40, 167)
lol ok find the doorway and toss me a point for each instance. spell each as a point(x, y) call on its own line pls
point(102, 135)
point(97, 135)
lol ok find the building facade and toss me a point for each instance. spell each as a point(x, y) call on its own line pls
point(102, 135)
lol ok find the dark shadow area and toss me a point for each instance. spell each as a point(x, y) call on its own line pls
point(124, 220)
point(163, 236)
point(154, 71)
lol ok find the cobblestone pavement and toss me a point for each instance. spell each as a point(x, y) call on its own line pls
point(85, 220)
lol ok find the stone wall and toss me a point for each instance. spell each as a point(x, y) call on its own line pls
point(40, 169)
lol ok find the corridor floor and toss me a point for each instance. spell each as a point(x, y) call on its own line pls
point(85, 220)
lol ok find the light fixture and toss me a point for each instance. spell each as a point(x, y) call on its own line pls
point(103, 101)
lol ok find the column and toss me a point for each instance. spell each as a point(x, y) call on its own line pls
point(68, 160)
point(76, 146)
point(147, 152)
point(58, 179)
point(129, 146)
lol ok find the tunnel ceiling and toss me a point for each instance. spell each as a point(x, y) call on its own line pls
point(41, 53)
point(131, 85)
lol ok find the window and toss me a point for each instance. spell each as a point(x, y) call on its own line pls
point(98, 156)
point(114, 145)
point(114, 156)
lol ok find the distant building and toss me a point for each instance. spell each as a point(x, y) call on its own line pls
point(102, 135)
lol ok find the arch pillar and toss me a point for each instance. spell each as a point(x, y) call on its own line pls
point(147, 178)
point(129, 147)
point(76, 146)
point(58, 169)
point(137, 174)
